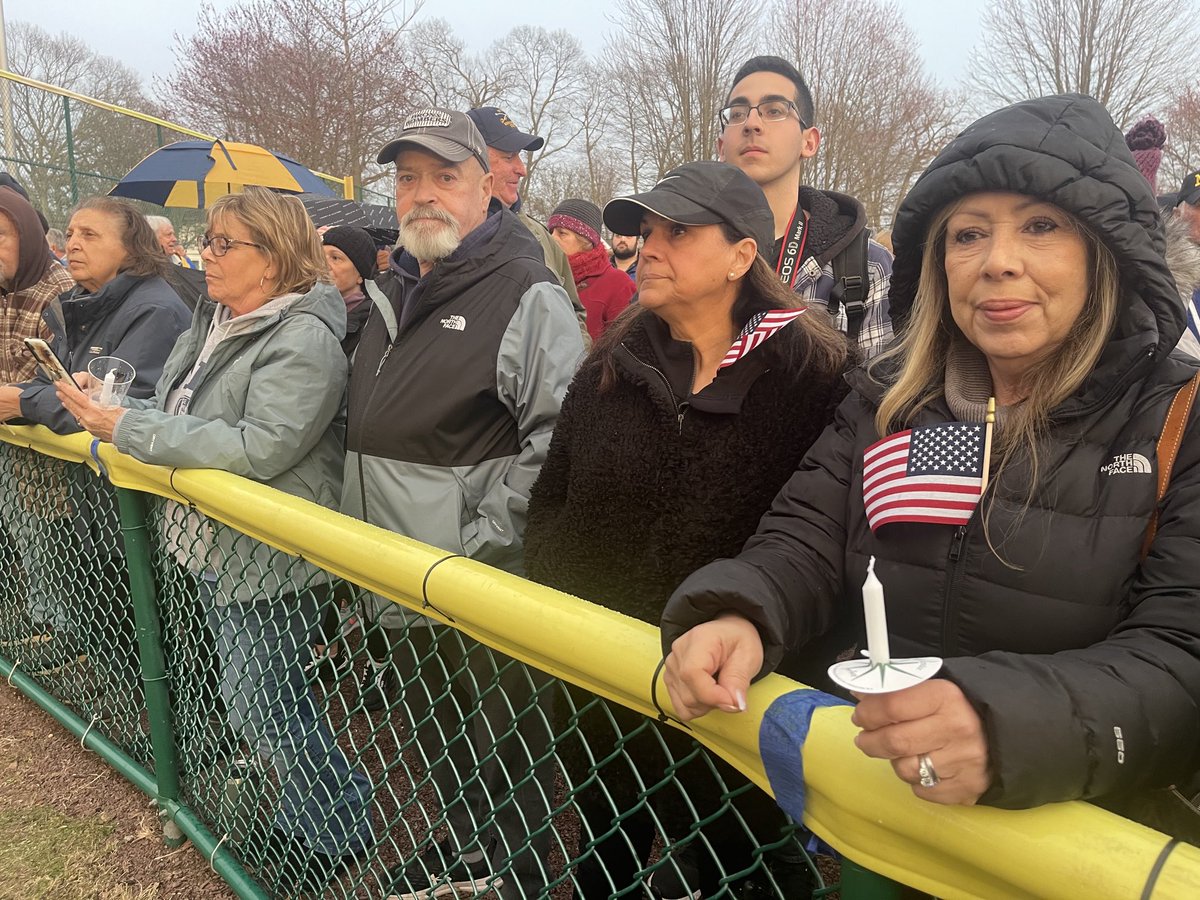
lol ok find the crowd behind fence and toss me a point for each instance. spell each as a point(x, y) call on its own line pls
point(113, 607)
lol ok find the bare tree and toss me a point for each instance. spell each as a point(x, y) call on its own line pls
point(451, 76)
point(105, 143)
point(882, 118)
point(323, 81)
point(673, 60)
point(1182, 152)
point(550, 75)
point(1128, 54)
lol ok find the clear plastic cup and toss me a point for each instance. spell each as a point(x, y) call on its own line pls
point(110, 380)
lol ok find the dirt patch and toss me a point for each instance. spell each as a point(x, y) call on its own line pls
point(71, 828)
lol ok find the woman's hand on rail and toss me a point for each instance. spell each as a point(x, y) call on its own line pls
point(934, 720)
point(90, 415)
point(711, 666)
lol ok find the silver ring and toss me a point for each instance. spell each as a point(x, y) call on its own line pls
point(929, 775)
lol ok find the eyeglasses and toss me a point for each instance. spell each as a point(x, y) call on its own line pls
point(220, 244)
point(769, 111)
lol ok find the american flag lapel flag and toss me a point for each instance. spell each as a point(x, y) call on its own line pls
point(760, 327)
point(931, 473)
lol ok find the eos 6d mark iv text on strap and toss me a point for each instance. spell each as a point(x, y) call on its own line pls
point(788, 264)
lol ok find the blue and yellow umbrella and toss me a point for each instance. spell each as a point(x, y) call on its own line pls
point(193, 174)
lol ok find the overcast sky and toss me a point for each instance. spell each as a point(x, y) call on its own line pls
point(139, 32)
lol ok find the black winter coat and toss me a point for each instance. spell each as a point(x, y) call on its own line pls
point(646, 482)
point(1083, 664)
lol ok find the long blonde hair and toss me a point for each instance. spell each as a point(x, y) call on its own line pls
point(919, 358)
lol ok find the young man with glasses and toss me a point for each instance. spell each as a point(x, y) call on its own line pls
point(821, 246)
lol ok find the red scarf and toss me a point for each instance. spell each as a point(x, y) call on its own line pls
point(589, 263)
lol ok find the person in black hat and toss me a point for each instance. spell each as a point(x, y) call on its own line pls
point(350, 253)
point(454, 391)
point(506, 143)
point(688, 416)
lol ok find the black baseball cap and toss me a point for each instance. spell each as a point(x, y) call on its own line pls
point(700, 193)
point(1189, 192)
point(443, 132)
point(501, 132)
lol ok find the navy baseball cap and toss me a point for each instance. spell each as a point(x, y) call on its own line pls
point(1189, 191)
point(501, 132)
point(700, 193)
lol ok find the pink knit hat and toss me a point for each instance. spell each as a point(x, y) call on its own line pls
point(1146, 139)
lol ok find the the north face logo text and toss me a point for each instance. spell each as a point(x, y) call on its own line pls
point(455, 323)
point(1127, 464)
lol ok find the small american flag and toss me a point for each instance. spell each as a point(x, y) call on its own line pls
point(760, 327)
point(932, 473)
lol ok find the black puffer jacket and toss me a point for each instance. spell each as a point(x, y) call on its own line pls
point(1083, 664)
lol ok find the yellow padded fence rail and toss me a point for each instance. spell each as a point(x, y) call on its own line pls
point(1066, 850)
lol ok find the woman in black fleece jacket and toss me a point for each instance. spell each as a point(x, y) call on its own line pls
point(668, 450)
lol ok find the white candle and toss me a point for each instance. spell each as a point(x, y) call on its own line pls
point(106, 392)
point(876, 616)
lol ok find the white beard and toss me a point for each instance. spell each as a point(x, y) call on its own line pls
point(428, 233)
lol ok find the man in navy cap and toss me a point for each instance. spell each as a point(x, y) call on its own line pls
point(506, 143)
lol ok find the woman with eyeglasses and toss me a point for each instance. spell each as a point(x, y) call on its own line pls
point(256, 387)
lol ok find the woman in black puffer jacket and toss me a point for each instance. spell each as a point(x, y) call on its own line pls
point(1029, 267)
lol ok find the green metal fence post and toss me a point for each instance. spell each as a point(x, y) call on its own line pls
point(70, 149)
point(159, 134)
point(859, 883)
point(150, 653)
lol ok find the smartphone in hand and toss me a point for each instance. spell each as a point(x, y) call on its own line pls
point(50, 364)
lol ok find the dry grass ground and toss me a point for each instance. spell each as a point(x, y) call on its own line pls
point(72, 829)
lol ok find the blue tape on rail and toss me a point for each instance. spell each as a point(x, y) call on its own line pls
point(782, 733)
point(96, 457)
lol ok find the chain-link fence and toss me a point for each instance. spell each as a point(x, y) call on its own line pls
point(332, 758)
point(307, 752)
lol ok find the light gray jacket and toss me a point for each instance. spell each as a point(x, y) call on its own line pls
point(269, 405)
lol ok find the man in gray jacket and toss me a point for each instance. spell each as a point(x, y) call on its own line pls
point(456, 387)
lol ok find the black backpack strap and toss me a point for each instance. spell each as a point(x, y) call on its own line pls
point(850, 283)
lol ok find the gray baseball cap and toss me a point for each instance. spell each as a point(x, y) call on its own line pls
point(443, 132)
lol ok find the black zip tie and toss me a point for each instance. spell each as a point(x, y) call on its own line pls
point(662, 715)
point(171, 481)
point(425, 604)
point(1156, 869)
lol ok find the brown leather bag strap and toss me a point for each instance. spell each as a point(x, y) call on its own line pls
point(1168, 449)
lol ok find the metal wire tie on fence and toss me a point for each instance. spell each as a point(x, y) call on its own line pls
point(425, 604)
point(212, 856)
point(83, 737)
point(12, 672)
